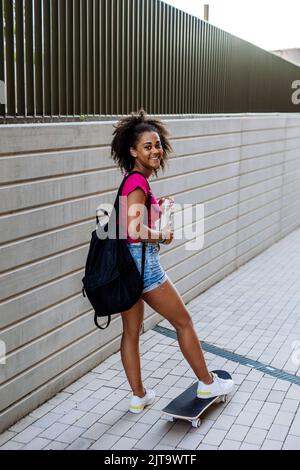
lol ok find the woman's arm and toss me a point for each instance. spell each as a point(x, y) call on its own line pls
point(135, 216)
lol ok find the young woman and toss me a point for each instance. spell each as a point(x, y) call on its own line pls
point(141, 144)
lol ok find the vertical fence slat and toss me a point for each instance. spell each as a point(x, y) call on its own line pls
point(166, 84)
point(189, 83)
point(2, 59)
point(146, 54)
point(55, 56)
point(38, 58)
point(150, 58)
point(29, 53)
point(140, 45)
point(90, 56)
point(175, 20)
point(47, 58)
point(123, 58)
point(178, 61)
point(138, 56)
point(20, 57)
point(158, 57)
point(62, 57)
point(76, 58)
point(95, 56)
point(84, 58)
point(69, 76)
point(106, 34)
point(112, 53)
point(10, 57)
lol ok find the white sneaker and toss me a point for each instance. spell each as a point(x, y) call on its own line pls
point(217, 387)
point(137, 404)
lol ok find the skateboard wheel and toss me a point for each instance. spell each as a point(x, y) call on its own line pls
point(218, 400)
point(224, 399)
point(169, 418)
point(196, 423)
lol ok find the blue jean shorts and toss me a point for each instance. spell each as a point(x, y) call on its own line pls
point(154, 273)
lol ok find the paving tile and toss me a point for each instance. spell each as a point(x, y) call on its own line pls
point(277, 432)
point(246, 446)
point(56, 445)
point(224, 422)
point(24, 423)
point(37, 443)
point(190, 441)
point(292, 443)
point(121, 428)
point(270, 409)
point(6, 436)
point(237, 432)
point(70, 434)
point(125, 443)
point(28, 434)
point(207, 447)
point(80, 444)
point(284, 418)
point(95, 431)
point(295, 428)
point(293, 392)
point(246, 418)
point(12, 445)
point(271, 445)
point(105, 442)
point(228, 444)
point(289, 405)
point(214, 437)
point(137, 430)
point(256, 436)
point(276, 396)
point(54, 430)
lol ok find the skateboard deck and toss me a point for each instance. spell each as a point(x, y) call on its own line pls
point(188, 407)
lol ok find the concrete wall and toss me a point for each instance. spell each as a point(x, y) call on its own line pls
point(245, 168)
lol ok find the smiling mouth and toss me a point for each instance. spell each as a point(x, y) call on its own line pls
point(156, 158)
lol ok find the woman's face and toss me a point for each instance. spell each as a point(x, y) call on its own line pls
point(148, 151)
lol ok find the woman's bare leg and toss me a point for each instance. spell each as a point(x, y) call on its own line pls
point(166, 300)
point(130, 354)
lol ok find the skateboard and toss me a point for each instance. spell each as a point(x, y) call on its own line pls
point(188, 407)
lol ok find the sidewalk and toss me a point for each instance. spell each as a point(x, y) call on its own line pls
point(254, 312)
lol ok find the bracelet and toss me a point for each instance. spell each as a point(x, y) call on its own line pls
point(164, 239)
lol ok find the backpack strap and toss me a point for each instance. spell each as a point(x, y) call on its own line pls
point(99, 326)
point(116, 206)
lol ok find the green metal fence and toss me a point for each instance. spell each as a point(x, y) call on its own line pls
point(68, 58)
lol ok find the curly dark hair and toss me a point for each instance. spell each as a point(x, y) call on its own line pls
point(126, 135)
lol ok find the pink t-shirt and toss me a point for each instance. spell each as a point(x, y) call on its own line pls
point(139, 181)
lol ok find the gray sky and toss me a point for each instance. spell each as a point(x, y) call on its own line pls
point(269, 24)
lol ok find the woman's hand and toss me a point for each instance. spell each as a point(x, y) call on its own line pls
point(165, 197)
point(162, 199)
point(168, 234)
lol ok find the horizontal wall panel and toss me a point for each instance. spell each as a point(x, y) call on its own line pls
point(34, 166)
point(263, 135)
point(262, 149)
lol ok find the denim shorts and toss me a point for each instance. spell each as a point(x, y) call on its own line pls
point(154, 274)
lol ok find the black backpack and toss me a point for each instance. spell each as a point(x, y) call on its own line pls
point(112, 282)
